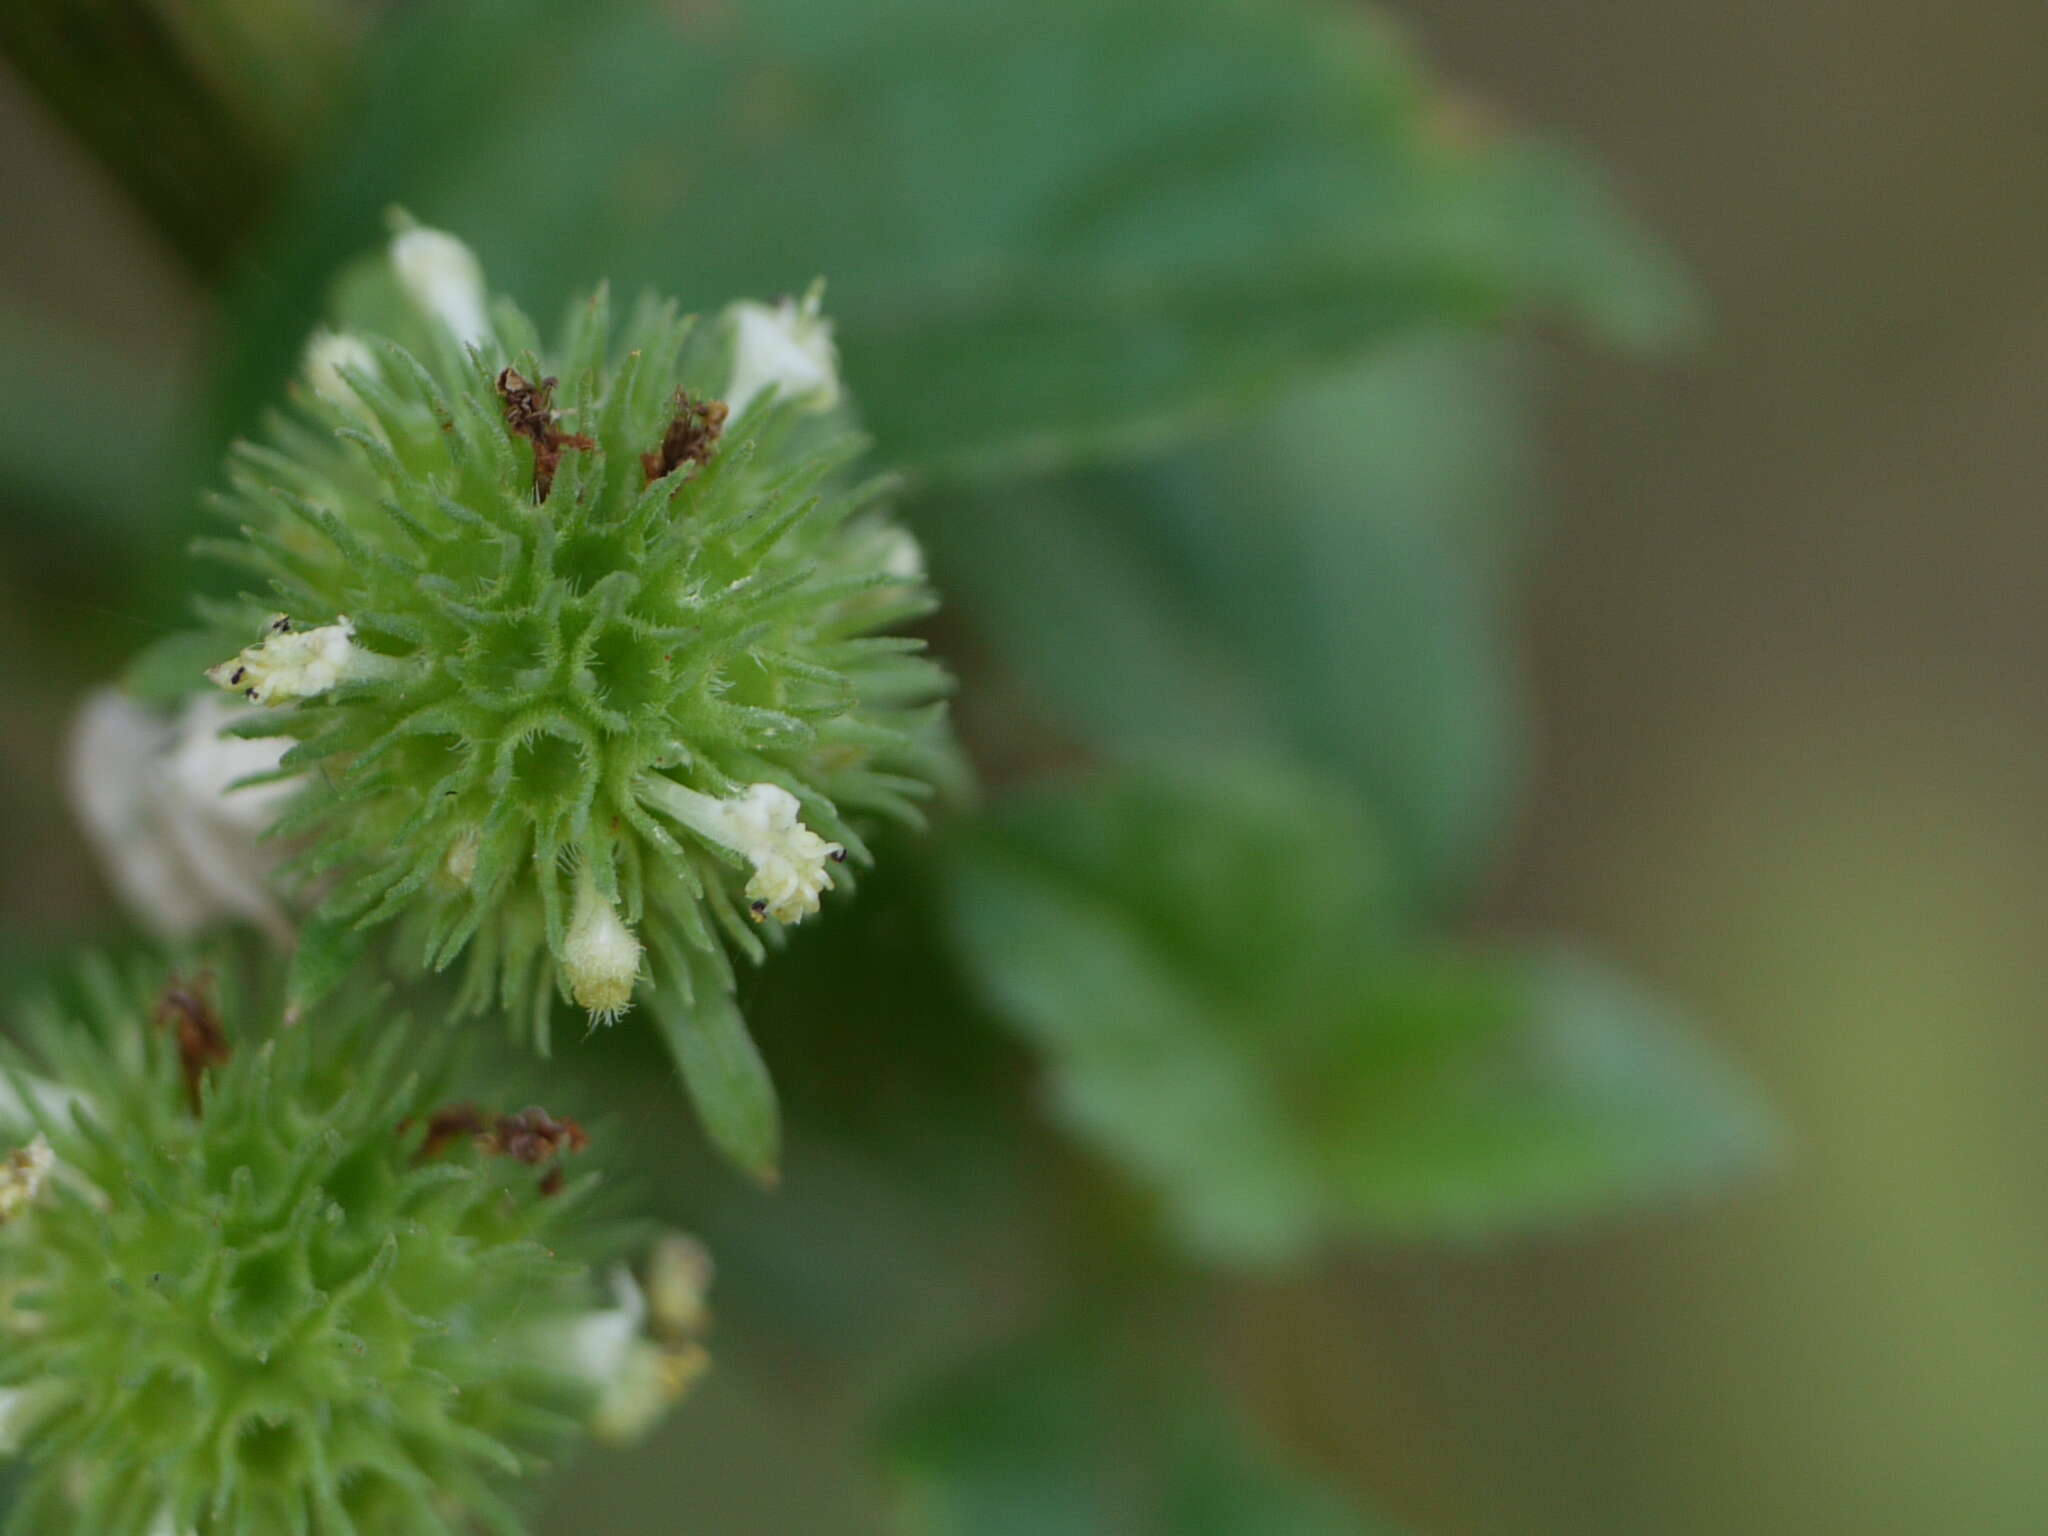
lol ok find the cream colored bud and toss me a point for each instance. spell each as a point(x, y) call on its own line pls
point(460, 864)
point(679, 1273)
point(600, 955)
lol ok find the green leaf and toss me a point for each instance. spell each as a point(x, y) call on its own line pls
point(1055, 1435)
point(1320, 584)
point(1051, 231)
point(1555, 1089)
point(1229, 1013)
point(1225, 1487)
point(724, 1073)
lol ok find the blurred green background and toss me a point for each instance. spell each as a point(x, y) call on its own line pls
point(1774, 612)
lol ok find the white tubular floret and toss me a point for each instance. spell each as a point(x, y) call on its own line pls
point(636, 1368)
point(791, 862)
point(290, 663)
point(327, 353)
point(444, 278)
point(157, 796)
point(787, 345)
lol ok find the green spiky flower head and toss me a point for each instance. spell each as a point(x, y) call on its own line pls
point(259, 1281)
point(583, 646)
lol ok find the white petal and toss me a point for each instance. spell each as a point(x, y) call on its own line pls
point(288, 663)
point(598, 1343)
point(327, 353)
point(445, 279)
point(151, 790)
point(788, 346)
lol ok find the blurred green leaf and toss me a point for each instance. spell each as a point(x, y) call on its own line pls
point(87, 444)
point(197, 110)
point(1224, 1487)
point(1228, 1012)
point(1054, 1436)
point(723, 1071)
point(1320, 583)
point(1549, 1088)
point(1051, 230)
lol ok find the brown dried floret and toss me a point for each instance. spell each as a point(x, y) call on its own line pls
point(692, 436)
point(187, 1007)
point(534, 1136)
point(445, 1125)
point(530, 413)
point(531, 1136)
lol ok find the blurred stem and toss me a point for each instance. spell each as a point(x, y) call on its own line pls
point(198, 108)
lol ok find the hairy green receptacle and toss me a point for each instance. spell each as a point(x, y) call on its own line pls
point(582, 647)
point(255, 1286)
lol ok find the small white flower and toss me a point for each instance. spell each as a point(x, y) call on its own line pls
point(876, 545)
point(904, 556)
point(22, 1174)
point(600, 955)
point(288, 663)
point(597, 1344)
point(637, 1378)
point(327, 353)
point(790, 860)
point(444, 278)
point(153, 791)
point(788, 345)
